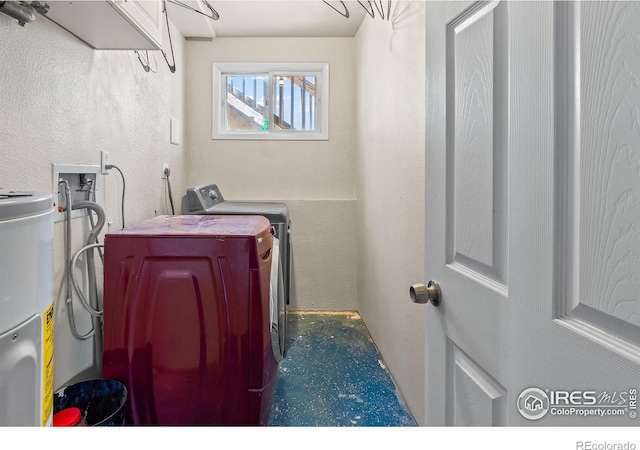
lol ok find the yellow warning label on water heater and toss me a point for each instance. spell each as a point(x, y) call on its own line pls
point(47, 362)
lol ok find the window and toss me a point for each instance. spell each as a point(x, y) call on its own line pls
point(287, 101)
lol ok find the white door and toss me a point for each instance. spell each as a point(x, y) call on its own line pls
point(533, 213)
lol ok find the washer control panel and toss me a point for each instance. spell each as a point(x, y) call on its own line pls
point(199, 198)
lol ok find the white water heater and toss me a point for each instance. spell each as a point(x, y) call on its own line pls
point(26, 308)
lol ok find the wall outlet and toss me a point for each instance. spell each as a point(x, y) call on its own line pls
point(104, 162)
point(165, 167)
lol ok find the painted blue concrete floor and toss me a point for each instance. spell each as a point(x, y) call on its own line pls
point(333, 376)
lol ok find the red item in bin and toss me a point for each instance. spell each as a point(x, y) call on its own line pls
point(69, 417)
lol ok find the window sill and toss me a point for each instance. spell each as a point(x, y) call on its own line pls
point(260, 136)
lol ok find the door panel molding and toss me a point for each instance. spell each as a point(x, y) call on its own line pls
point(475, 397)
point(476, 122)
point(597, 278)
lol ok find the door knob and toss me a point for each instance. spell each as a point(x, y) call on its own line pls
point(424, 294)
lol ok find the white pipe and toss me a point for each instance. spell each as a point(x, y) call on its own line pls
point(96, 312)
point(22, 13)
point(93, 305)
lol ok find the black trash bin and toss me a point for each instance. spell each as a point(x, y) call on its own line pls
point(101, 401)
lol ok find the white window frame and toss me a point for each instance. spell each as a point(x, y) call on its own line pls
point(320, 70)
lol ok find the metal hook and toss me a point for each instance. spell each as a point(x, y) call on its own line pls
point(368, 10)
point(214, 14)
point(343, 14)
point(146, 65)
point(172, 67)
point(380, 10)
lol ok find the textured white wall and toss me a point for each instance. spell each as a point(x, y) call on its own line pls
point(62, 102)
point(390, 148)
point(315, 178)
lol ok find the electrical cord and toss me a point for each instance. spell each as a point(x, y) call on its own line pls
point(167, 172)
point(111, 166)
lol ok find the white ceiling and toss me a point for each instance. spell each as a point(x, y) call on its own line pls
point(269, 18)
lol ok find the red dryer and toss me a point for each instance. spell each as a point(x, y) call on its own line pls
point(187, 321)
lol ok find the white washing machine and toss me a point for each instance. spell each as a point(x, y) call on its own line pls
point(26, 308)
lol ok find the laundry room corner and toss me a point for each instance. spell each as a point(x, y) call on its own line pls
point(391, 207)
point(324, 255)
